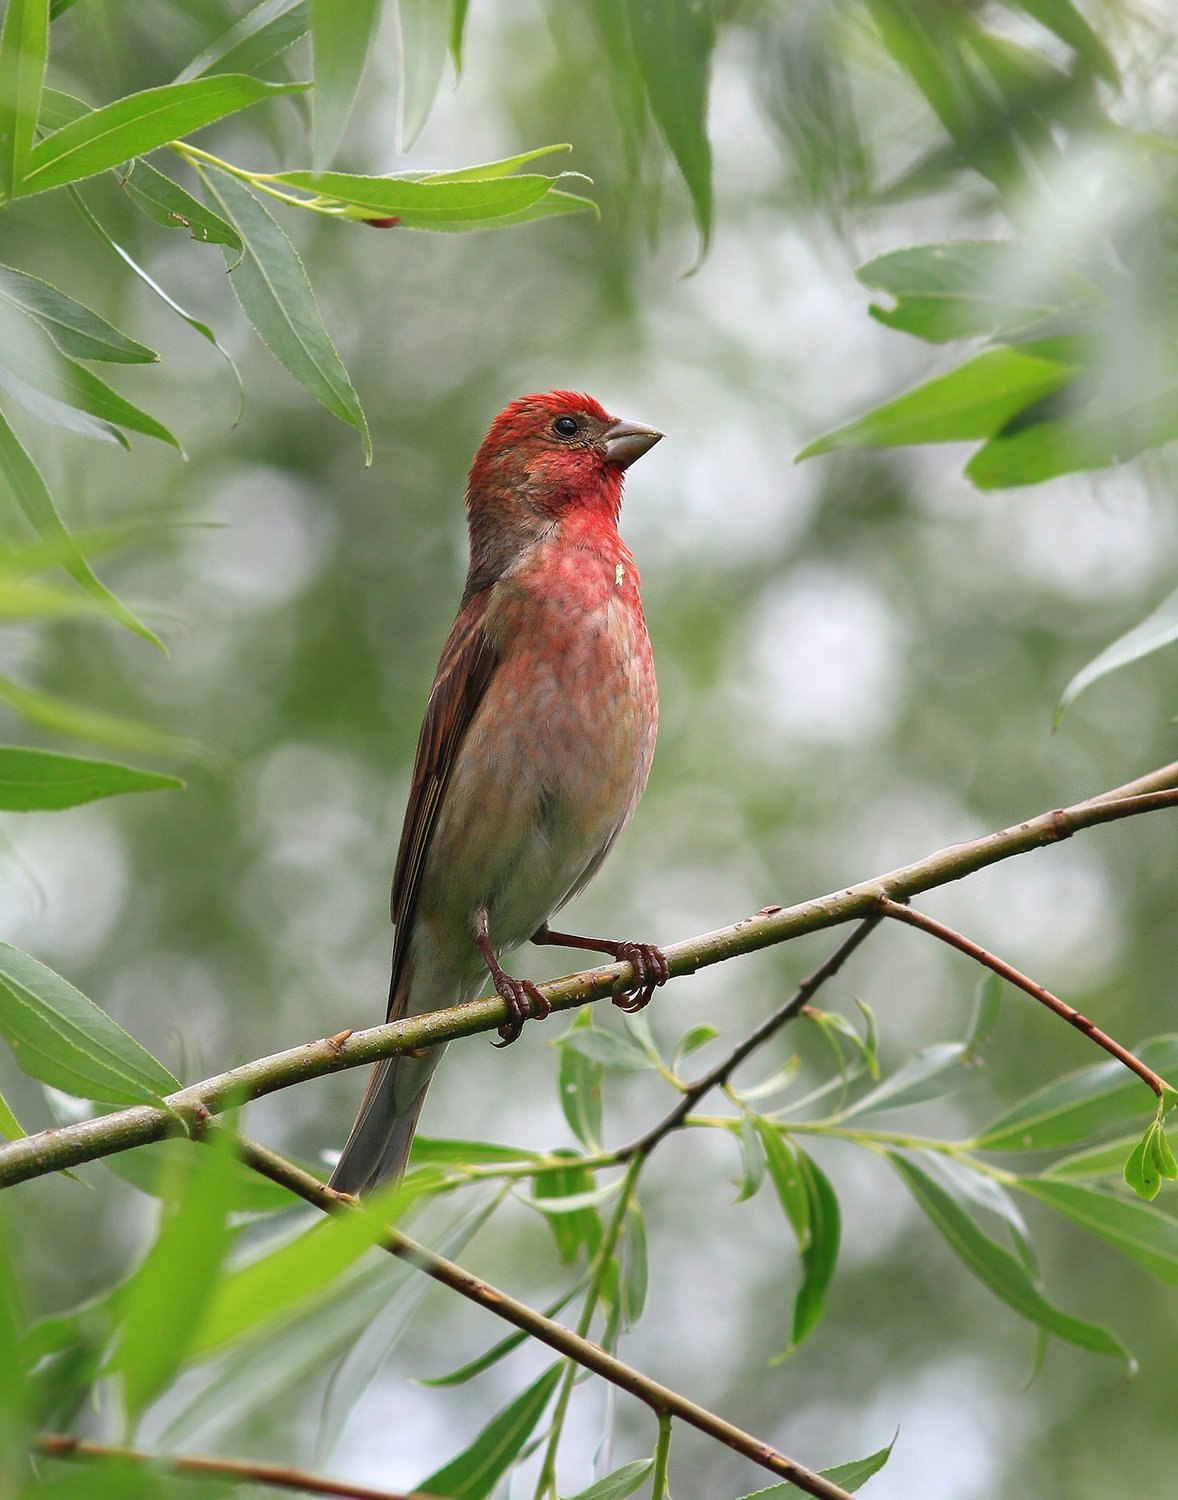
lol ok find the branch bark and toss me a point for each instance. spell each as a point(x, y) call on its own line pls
point(186, 1110)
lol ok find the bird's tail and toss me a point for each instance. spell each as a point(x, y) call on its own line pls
point(378, 1147)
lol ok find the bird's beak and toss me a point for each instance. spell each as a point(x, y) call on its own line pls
point(627, 441)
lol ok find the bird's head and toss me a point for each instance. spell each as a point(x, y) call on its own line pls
point(548, 456)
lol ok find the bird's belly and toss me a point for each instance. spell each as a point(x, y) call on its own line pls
point(548, 775)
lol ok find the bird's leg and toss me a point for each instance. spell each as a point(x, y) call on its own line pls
point(650, 963)
point(522, 997)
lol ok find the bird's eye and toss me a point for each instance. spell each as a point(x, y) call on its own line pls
point(566, 426)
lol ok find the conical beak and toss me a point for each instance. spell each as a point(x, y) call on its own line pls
point(627, 441)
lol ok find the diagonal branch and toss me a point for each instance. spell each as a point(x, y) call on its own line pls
point(52, 1150)
point(1070, 1014)
point(274, 1476)
point(661, 1399)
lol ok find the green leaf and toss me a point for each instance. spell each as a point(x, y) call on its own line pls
point(974, 401)
point(137, 124)
point(278, 1283)
point(169, 301)
point(503, 1348)
point(752, 1157)
point(553, 205)
point(361, 1364)
point(486, 171)
point(165, 1299)
point(272, 287)
point(23, 480)
point(1062, 18)
point(960, 290)
point(579, 1082)
point(821, 1252)
point(38, 780)
point(1099, 1164)
point(1096, 434)
point(425, 27)
point(931, 1074)
point(619, 1484)
point(995, 1267)
point(788, 1180)
point(340, 36)
point(635, 1264)
point(60, 1038)
point(24, 47)
point(1145, 1233)
point(1157, 630)
point(609, 1048)
point(251, 42)
point(1080, 1105)
point(427, 1151)
point(477, 1470)
point(74, 328)
point(154, 1168)
point(987, 1005)
point(850, 1476)
point(424, 203)
point(569, 1200)
point(1141, 1172)
point(64, 717)
point(672, 43)
point(692, 1040)
point(10, 1127)
point(458, 13)
point(167, 203)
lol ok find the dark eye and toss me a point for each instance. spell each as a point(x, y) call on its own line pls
point(566, 426)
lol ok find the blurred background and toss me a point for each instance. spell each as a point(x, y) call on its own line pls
point(858, 656)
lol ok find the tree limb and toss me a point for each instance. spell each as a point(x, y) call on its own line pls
point(51, 1150)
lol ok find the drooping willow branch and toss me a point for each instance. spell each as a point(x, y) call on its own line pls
point(51, 1150)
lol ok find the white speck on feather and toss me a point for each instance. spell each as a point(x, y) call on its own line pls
point(620, 574)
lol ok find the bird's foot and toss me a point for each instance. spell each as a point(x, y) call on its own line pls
point(524, 1002)
point(651, 969)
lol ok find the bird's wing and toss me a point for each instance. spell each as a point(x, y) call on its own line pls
point(468, 663)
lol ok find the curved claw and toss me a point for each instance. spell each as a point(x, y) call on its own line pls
point(651, 969)
point(524, 1001)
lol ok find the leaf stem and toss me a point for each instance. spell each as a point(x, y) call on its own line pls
point(659, 1489)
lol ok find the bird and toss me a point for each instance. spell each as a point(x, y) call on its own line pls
point(535, 747)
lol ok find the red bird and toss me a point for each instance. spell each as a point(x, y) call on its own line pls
point(536, 745)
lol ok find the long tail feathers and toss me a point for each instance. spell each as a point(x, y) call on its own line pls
point(378, 1147)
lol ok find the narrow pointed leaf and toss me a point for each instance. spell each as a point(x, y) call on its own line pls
point(458, 14)
point(579, 1082)
point(820, 1254)
point(39, 780)
point(276, 1285)
point(503, 1348)
point(619, 1484)
point(251, 42)
point(1157, 630)
point(167, 203)
point(850, 1476)
point(165, 297)
point(48, 711)
point(340, 35)
point(20, 475)
point(788, 1181)
point(931, 1074)
point(1144, 1233)
point(24, 47)
point(610, 1049)
point(166, 1297)
point(272, 287)
point(1081, 1105)
point(423, 203)
point(60, 1038)
point(486, 171)
point(425, 27)
point(1062, 17)
point(10, 1127)
point(73, 327)
point(973, 401)
point(137, 124)
point(995, 1267)
point(477, 1470)
point(427, 1151)
point(672, 44)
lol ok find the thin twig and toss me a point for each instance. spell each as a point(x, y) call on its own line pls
point(724, 1070)
point(275, 1476)
point(52, 1150)
point(661, 1399)
point(1070, 1014)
